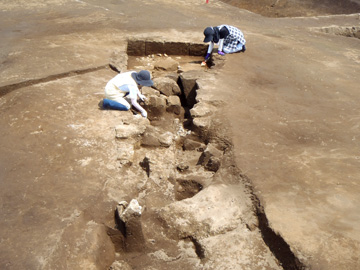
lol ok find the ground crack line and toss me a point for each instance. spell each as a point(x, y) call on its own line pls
point(277, 245)
point(9, 88)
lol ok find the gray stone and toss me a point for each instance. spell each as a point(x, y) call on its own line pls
point(201, 109)
point(149, 91)
point(153, 138)
point(166, 139)
point(174, 105)
point(166, 86)
point(130, 214)
point(211, 158)
point(128, 211)
point(167, 64)
point(202, 125)
point(215, 210)
point(193, 145)
point(155, 105)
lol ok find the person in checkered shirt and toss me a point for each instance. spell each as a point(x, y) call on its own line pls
point(229, 39)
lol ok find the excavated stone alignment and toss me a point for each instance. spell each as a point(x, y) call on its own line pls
point(179, 166)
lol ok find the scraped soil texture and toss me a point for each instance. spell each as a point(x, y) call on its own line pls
point(297, 8)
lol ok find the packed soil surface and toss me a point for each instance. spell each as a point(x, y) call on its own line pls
point(297, 8)
point(284, 115)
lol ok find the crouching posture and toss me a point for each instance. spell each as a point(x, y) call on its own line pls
point(229, 39)
point(127, 85)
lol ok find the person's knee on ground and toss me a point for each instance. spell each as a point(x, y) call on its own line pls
point(114, 105)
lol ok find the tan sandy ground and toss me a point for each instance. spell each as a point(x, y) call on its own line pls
point(291, 102)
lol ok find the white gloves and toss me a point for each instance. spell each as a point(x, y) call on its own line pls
point(144, 114)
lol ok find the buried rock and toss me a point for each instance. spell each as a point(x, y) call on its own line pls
point(129, 217)
point(174, 105)
point(167, 64)
point(190, 145)
point(167, 86)
point(215, 210)
point(211, 158)
point(153, 138)
point(155, 105)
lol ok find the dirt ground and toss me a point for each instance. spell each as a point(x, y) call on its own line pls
point(289, 104)
point(284, 8)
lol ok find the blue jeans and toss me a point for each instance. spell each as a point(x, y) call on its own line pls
point(111, 104)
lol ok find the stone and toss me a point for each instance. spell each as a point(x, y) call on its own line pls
point(215, 210)
point(182, 167)
point(153, 138)
point(166, 139)
point(211, 158)
point(166, 86)
point(202, 125)
point(149, 91)
point(128, 211)
point(150, 140)
point(201, 109)
point(172, 75)
point(174, 105)
point(155, 105)
point(130, 215)
point(167, 64)
point(190, 145)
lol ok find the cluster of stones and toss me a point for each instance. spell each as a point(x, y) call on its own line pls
point(184, 179)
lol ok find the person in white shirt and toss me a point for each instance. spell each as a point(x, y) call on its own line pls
point(127, 85)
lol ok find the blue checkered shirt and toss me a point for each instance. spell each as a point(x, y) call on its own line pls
point(235, 36)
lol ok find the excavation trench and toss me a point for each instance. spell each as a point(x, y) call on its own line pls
point(171, 174)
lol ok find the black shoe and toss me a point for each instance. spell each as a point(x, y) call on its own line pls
point(101, 105)
point(243, 49)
